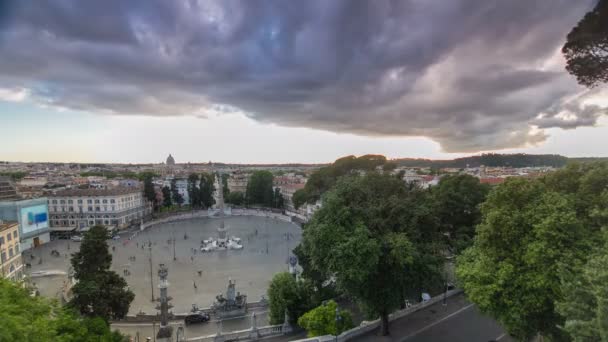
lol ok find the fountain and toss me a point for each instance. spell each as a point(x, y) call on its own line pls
point(234, 304)
point(223, 241)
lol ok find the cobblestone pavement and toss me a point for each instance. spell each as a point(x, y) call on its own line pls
point(266, 241)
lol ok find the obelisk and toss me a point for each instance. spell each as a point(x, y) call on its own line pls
point(221, 231)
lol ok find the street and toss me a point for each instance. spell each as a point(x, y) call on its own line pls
point(458, 321)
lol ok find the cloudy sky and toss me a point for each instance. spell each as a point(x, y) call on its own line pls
point(291, 81)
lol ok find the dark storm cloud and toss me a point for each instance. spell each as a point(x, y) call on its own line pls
point(472, 75)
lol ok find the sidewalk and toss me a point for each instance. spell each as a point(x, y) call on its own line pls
point(414, 322)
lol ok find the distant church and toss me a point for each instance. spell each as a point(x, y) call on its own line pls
point(170, 160)
point(169, 165)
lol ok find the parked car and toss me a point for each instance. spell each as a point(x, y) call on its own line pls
point(197, 317)
point(76, 238)
point(116, 237)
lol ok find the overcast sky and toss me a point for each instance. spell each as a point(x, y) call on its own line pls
point(291, 81)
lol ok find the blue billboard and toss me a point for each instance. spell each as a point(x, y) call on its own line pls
point(34, 218)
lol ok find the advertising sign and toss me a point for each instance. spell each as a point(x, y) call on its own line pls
point(34, 218)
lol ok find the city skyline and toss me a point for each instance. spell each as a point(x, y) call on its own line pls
point(239, 83)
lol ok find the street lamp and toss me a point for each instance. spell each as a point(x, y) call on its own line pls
point(337, 323)
point(151, 273)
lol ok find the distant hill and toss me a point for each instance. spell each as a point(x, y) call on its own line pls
point(490, 159)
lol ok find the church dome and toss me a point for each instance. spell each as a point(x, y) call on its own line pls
point(170, 160)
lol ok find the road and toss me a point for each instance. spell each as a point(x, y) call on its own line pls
point(458, 321)
point(467, 325)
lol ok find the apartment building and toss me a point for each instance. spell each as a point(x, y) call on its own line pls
point(81, 208)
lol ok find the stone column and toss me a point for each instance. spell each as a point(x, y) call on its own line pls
point(219, 337)
point(254, 334)
point(287, 328)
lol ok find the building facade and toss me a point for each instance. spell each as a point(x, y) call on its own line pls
point(32, 217)
point(77, 209)
point(7, 189)
point(237, 182)
point(10, 251)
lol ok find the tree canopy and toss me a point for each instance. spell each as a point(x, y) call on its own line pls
point(167, 202)
point(175, 195)
point(586, 48)
point(206, 189)
point(533, 240)
point(326, 319)
point(99, 291)
point(457, 201)
point(489, 159)
point(36, 319)
point(324, 179)
point(374, 236)
point(149, 192)
point(236, 198)
point(285, 293)
point(259, 189)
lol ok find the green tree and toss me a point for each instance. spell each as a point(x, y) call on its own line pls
point(236, 198)
point(366, 236)
point(225, 177)
point(326, 177)
point(27, 318)
point(149, 192)
point(457, 200)
point(259, 189)
point(390, 166)
point(175, 195)
point(586, 48)
point(278, 200)
point(99, 291)
point(585, 301)
point(528, 237)
point(167, 202)
point(193, 191)
point(206, 189)
point(287, 294)
point(324, 320)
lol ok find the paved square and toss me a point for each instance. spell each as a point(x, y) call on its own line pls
point(266, 242)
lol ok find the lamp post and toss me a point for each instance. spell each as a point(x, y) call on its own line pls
point(174, 258)
point(337, 323)
point(151, 273)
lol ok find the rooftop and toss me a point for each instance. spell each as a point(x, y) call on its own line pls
point(7, 224)
point(96, 192)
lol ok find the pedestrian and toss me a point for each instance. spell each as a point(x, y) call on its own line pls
point(200, 273)
point(194, 284)
point(113, 248)
point(192, 258)
point(137, 244)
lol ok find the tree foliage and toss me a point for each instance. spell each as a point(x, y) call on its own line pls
point(370, 234)
point(193, 191)
point(325, 178)
point(99, 291)
point(206, 189)
point(326, 319)
point(457, 200)
point(489, 159)
point(176, 197)
point(37, 319)
point(236, 198)
point(287, 294)
point(585, 301)
point(259, 189)
point(149, 192)
point(530, 247)
point(277, 199)
point(586, 48)
point(167, 202)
